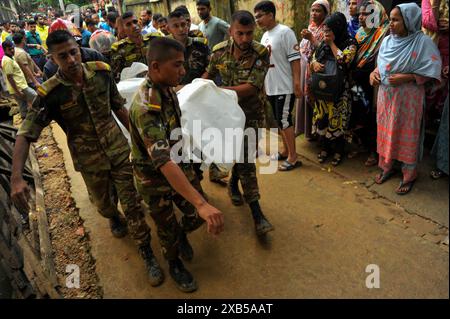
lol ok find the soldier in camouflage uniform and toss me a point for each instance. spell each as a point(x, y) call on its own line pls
point(196, 55)
point(131, 49)
point(154, 115)
point(242, 64)
point(80, 98)
point(196, 61)
point(192, 33)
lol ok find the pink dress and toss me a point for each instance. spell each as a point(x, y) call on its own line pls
point(399, 125)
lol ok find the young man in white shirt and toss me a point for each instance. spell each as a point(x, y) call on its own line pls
point(283, 78)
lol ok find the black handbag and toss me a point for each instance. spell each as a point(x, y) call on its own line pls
point(330, 84)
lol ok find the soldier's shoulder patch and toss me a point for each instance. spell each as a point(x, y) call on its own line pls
point(197, 34)
point(259, 48)
point(154, 108)
point(116, 45)
point(45, 88)
point(200, 40)
point(98, 66)
point(152, 35)
point(150, 99)
point(220, 46)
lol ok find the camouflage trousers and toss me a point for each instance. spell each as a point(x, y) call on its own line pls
point(215, 173)
point(168, 227)
point(246, 172)
point(106, 186)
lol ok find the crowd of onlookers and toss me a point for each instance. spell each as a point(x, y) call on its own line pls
point(390, 89)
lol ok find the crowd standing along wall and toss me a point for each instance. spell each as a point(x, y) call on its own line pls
point(294, 13)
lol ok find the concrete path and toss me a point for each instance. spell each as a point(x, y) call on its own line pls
point(329, 228)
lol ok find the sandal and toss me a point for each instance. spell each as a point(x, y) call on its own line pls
point(383, 177)
point(436, 174)
point(337, 159)
point(322, 156)
point(286, 166)
point(371, 161)
point(407, 188)
point(278, 157)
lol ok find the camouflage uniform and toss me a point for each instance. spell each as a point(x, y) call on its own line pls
point(196, 59)
point(196, 34)
point(251, 68)
point(98, 147)
point(125, 52)
point(153, 116)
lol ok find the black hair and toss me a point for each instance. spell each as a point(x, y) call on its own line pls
point(58, 14)
point(90, 22)
point(243, 17)
point(162, 19)
point(266, 7)
point(148, 11)
point(37, 16)
point(31, 22)
point(205, 3)
point(162, 49)
point(58, 37)
point(127, 15)
point(183, 9)
point(337, 22)
point(7, 44)
point(21, 24)
point(18, 38)
point(112, 16)
point(176, 14)
point(156, 16)
point(14, 23)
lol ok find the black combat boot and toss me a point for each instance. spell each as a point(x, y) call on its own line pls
point(262, 225)
point(153, 269)
point(234, 192)
point(118, 227)
point(185, 248)
point(182, 277)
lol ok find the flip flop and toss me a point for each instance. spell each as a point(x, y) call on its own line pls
point(322, 156)
point(408, 186)
point(436, 174)
point(371, 161)
point(278, 157)
point(286, 166)
point(384, 176)
point(337, 159)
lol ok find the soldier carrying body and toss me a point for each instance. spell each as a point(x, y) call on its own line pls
point(81, 98)
point(242, 64)
point(154, 115)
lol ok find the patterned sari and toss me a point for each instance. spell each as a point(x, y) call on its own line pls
point(331, 119)
point(303, 114)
